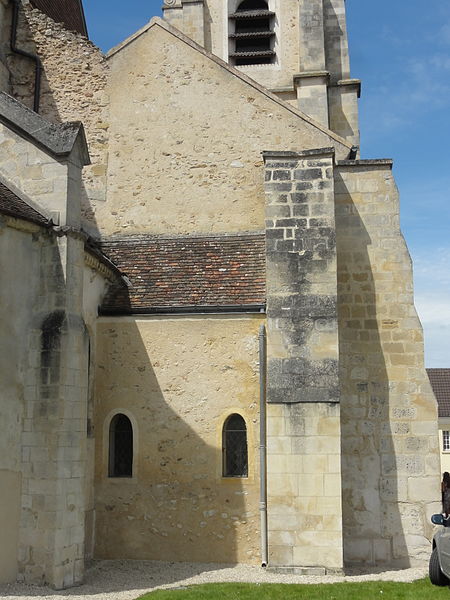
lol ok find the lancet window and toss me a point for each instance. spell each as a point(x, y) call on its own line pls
point(120, 447)
point(234, 447)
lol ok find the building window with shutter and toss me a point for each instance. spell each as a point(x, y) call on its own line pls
point(253, 37)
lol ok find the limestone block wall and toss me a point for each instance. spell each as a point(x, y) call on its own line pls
point(188, 16)
point(54, 440)
point(36, 174)
point(390, 457)
point(96, 279)
point(51, 377)
point(301, 277)
point(41, 410)
point(73, 89)
point(178, 378)
point(304, 488)
point(18, 254)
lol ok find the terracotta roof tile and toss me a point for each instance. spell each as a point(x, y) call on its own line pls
point(171, 273)
point(12, 205)
point(69, 12)
point(440, 382)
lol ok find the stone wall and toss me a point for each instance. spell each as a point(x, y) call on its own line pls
point(390, 457)
point(50, 379)
point(312, 63)
point(73, 89)
point(17, 255)
point(304, 487)
point(161, 142)
point(178, 378)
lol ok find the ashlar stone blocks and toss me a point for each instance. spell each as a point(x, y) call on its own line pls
point(304, 486)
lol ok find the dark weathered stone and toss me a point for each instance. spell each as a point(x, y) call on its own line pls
point(286, 222)
point(282, 175)
point(299, 197)
point(274, 234)
point(277, 187)
point(303, 185)
point(292, 310)
point(302, 210)
point(307, 174)
point(278, 211)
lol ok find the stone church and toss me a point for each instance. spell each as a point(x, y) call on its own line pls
point(210, 350)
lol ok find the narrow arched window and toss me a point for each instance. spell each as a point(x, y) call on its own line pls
point(253, 38)
point(120, 447)
point(234, 447)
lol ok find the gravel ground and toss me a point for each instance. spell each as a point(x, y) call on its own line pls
point(126, 579)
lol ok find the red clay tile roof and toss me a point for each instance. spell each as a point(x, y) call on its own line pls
point(440, 382)
point(12, 205)
point(68, 12)
point(166, 274)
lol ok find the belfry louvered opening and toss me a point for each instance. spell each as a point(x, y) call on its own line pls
point(253, 39)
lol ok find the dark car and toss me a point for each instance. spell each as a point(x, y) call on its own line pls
point(439, 568)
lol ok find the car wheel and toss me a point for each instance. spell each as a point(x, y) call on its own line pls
point(437, 577)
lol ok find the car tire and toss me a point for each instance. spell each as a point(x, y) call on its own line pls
point(437, 577)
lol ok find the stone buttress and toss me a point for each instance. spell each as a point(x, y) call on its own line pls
point(45, 162)
point(304, 483)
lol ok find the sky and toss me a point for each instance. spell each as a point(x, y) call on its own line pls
point(401, 52)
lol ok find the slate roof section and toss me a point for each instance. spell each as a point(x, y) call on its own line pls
point(215, 274)
point(68, 12)
point(12, 205)
point(440, 382)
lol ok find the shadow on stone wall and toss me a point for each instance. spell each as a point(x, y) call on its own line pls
point(177, 507)
point(71, 88)
point(372, 524)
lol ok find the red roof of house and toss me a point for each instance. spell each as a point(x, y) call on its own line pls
point(440, 382)
point(12, 205)
point(167, 274)
point(69, 12)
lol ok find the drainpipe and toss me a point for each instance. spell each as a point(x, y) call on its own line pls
point(33, 57)
point(263, 446)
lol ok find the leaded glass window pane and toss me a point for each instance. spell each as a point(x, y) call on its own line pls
point(445, 441)
point(120, 447)
point(235, 455)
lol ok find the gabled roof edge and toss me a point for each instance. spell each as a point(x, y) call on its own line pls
point(158, 22)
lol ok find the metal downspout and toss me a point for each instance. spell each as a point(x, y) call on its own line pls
point(263, 446)
point(33, 57)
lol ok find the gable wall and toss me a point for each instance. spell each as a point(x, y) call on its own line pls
point(180, 121)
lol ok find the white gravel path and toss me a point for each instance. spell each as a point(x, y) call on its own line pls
point(126, 579)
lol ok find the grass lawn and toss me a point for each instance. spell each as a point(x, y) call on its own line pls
point(418, 590)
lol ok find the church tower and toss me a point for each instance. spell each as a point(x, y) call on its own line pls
point(298, 49)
